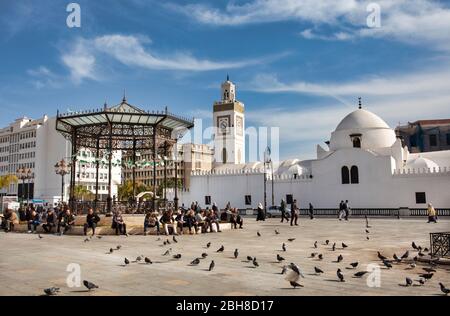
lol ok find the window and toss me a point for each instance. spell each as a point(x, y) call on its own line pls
point(248, 200)
point(354, 174)
point(433, 140)
point(345, 174)
point(421, 198)
point(289, 199)
point(356, 142)
point(224, 155)
point(208, 200)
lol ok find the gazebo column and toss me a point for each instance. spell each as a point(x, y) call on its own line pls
point(110, 147)
point(133, 176)
point(97, 165)
point(165, 174)
point(73, 170)
point(154, 168)
point(175, 199)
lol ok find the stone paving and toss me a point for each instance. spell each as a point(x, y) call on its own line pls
point(29, 264)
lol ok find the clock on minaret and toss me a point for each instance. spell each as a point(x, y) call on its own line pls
point(229, 122)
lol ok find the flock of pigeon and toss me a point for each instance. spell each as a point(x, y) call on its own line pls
point(292, 271)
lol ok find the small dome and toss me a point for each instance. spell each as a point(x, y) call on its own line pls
point(421, 163)
point(361, 119)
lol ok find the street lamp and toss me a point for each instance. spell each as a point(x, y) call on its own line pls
point(267, 160)
point(25, 174)
point(62, 168)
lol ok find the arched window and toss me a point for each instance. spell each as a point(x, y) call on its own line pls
point(345, 173)
point(224, 155)
point(354, 174)
point(356, 142)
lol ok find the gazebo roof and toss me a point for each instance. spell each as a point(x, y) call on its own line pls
point(123, 114)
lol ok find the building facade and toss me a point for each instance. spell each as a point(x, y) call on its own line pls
point(426, 135)
point(37, 146)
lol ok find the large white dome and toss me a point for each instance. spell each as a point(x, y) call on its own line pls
point(372, 131)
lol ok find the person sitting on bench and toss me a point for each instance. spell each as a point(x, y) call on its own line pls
point(67, 220)
point(10, 218)
point(50, 221)
point(91, 221)
point(167, 220)
point(151, 220)
point(119, 224)
point(191, 221)
point(236, 219)
point(33, 221)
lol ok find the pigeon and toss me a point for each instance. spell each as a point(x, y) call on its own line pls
point(429, 270)
point(99, 237)
point(387, 264)
point(280, 258)
point(291, 239)
point(426, 276)
point(425, 249)
point(320, 256)
point(313, 254)
point(421, 281)
point(381, 257)
point(360, 273)
point(318, 270)
point(413, 244)
point(367, 238)
point(177, 256)
point(283, 246)
point(167, 252)
point(139, 258)
point(174, 239)
point(89, 285)
point(340, 275)
point(51, 291)
point(354, 264)
point(344, 246)
point(412, 265)
point(236, 253)
point(409, 282)
point(277, 232)
point(421, 254)
point(195, 262)
point(168, 241)
point(257, 233)
point(255, 263)
point(86, 240)
point(315, 244)
point(208, 245)
point(295, 284)
point(367, 231)
point(405, 255)
point(211, 265)
point(339, 258)
point(40, 237)
point(367, 221)
point(249, 258)
point(327, 242)
point(296, 269)
point(333, 247)
point(164, 243)
point(444, 289)
point(147, 260)
point(118, 247)
point(127, 261)
point(111, 250)
point(204, 255)
point(397, 259)
point(221, 249)
point(284, 269)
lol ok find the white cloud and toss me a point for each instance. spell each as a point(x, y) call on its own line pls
point(43, 77)
point(411, 21)
point(81, 61)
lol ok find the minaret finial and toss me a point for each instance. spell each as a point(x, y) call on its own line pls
point(228, 77)
point(359, 103)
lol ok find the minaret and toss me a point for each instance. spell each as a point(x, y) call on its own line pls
point(229, 122)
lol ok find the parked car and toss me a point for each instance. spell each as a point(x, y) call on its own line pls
point(274, 211)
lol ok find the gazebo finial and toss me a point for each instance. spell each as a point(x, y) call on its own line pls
point(124, 99)
point(359, 103)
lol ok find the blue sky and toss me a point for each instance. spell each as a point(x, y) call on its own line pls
point(298, 65)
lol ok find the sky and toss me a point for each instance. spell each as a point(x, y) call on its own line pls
point(299, 65)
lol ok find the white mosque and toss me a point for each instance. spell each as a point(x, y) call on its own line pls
point(364, 163)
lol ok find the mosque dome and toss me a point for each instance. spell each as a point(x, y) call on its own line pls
point(421, 163)
point(362, 129)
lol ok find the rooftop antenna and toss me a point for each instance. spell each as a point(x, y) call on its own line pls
point(359, 103)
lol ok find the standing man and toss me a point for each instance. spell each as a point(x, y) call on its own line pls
point(283, 211)
point(341, 210)
point(294, 213)
point(311, 211)
point(346, 209)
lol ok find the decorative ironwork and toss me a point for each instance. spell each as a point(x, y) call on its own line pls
point(440, 244)
point(123, 127)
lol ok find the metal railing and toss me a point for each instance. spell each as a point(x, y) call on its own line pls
point(440, 244)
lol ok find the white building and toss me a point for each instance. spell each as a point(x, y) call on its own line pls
point(365, 163)
point(35, 144)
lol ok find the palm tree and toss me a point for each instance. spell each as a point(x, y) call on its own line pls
point(7, 180)
point(125, 190)
point(82, 193)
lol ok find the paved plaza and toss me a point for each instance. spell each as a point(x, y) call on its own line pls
point(29, 264)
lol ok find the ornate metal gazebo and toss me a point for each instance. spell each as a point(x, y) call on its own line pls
point(123, 127)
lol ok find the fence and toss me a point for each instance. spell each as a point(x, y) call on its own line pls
point(440, 244)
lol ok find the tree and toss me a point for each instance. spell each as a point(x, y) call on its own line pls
point(125, 190)
point(82, 193)
point(170, 183)
point(6, 180)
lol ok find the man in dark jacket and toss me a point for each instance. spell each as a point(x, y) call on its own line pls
point(67, 220)
point(91, 221)
point(294, 213)
point(283, 210)
point(50, 221)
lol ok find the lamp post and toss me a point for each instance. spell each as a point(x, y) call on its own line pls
point(21, 174)
point(62, 168)
point(266, 161)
